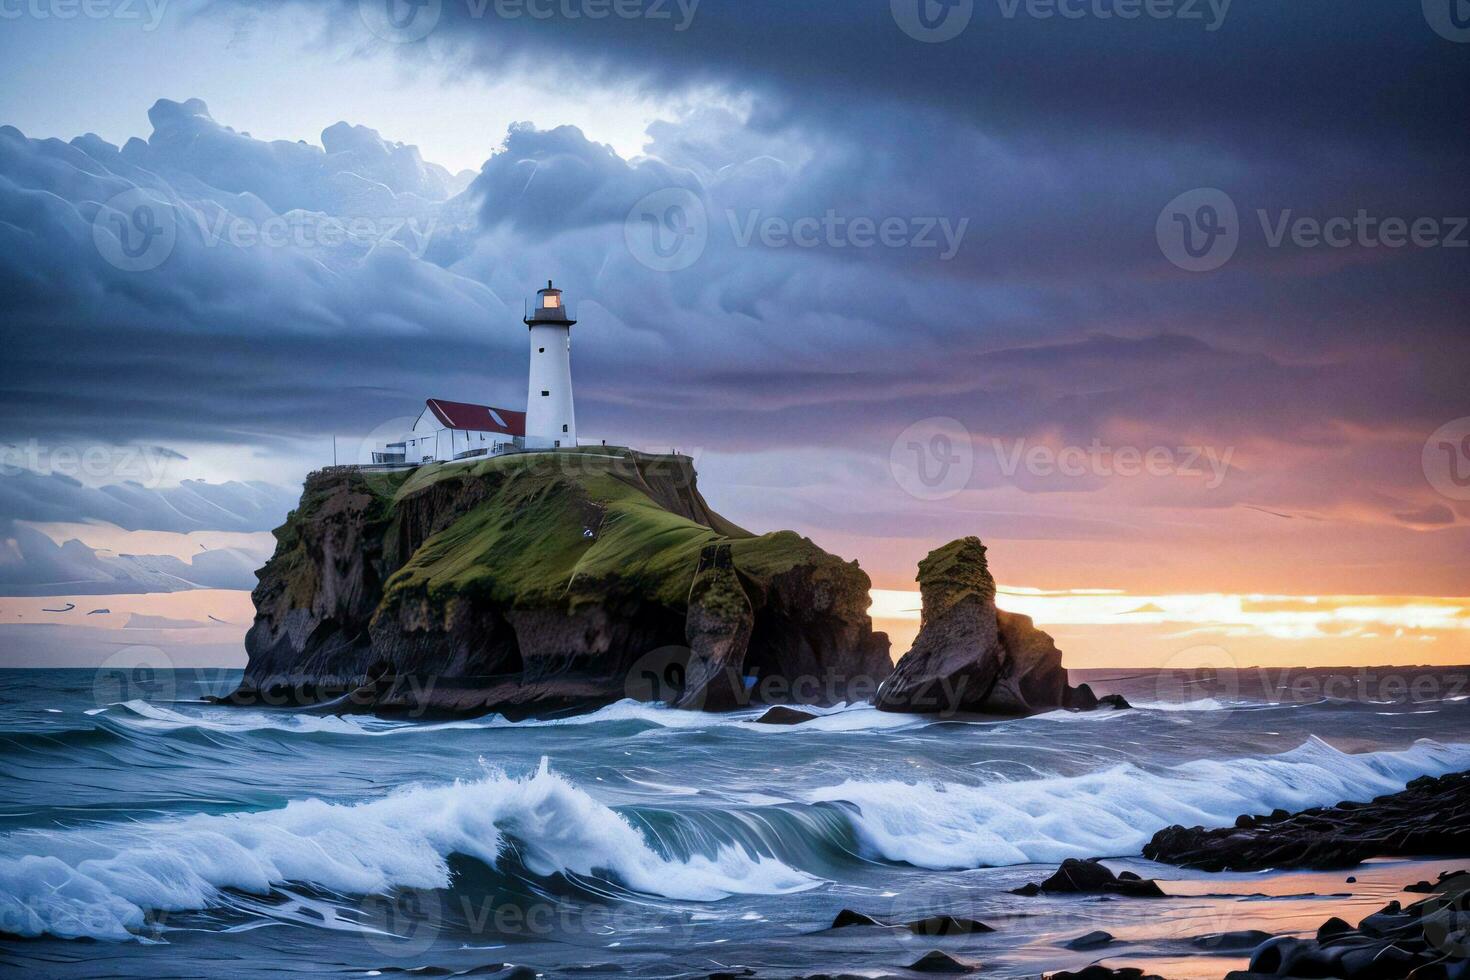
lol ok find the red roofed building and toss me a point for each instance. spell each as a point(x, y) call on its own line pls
point(457, 430)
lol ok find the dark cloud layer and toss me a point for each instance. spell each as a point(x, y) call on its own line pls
point(1046, 147)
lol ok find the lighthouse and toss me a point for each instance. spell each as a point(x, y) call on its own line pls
point(551, 421)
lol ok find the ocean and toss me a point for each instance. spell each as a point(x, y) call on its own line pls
point(146, 833)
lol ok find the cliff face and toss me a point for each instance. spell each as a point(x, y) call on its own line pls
point(536, 582)
point(970, 656)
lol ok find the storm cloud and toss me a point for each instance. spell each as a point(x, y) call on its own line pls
point(883, 231)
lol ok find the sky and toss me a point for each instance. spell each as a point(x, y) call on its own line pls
point(1166, 302)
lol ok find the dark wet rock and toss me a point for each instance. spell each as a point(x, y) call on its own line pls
point(970, 656)
point(1099, 972)
point(1091, 876)
point(1079, 876)
point(936, 961)
point(539, 583)
point(488, 971)
point(946, 925)
point(1243, 940)
point(1428, 940)
point(847, 917)
point(1431, 816)
point(934, 925)
point(1092, 940)
point(782, 715)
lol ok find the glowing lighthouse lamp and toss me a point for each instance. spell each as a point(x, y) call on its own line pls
point(551, 422)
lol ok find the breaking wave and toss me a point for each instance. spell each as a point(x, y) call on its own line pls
point(101, 881)
point(1115, 811)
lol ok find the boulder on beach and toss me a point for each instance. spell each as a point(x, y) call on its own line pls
point(1091, 876)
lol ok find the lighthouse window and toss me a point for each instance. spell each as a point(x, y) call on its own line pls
point(546, 394)
point(553, 302)
point(541, 350)
point(564, 428)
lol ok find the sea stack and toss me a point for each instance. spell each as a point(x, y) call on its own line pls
point(970, 656)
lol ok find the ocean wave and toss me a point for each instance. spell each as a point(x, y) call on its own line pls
point(146, 717)
point(1114, 811)
point(149, 717)
point(1199, 704)
point(101, 881)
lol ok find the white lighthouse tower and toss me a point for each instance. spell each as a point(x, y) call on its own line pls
point(551, 421)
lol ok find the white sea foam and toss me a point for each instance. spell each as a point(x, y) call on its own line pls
point(1114, 811)
point(99, 881)
point(1200, 704)
point(149, 717)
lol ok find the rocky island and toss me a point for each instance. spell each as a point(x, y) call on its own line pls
point(534, 583)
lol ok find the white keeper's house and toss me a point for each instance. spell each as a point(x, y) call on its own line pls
point(449, 430)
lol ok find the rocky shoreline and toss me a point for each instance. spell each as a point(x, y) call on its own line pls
point(1430, 816)
point(1424, 940)
point(538, 584)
